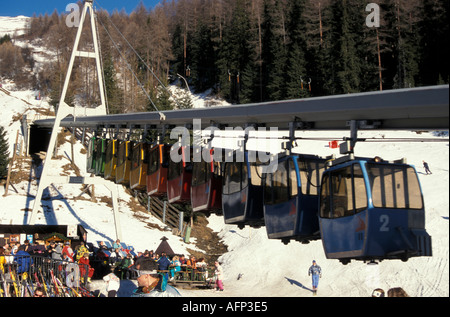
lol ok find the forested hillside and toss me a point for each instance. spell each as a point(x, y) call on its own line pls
point(252, 50)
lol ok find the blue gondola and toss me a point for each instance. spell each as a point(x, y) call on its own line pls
point(242, 193)
point(291, 198)
point(372, 210)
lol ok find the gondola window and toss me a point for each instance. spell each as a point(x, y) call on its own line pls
point(310, 175)
point(394, 187)
point(235, 178)
point(343, 193)
point(281, 185)
point(154, 161)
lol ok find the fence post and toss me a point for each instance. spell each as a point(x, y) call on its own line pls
point(164, 211)
point(149, 204)
point(180, 221)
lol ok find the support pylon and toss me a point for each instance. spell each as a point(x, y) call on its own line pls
point(65, 110)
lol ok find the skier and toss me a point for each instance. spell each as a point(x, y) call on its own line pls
point(426, 167)
point(316, 273)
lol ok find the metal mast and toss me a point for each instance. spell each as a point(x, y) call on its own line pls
point(64, 110)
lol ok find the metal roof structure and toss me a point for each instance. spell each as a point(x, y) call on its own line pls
point(409, 109)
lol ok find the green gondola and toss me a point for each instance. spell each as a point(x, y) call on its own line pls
point(100, 156)
point(91, 155)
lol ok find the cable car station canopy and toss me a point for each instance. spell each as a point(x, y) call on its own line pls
point(410, 109)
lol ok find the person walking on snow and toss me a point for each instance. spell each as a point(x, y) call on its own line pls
point(426, 167)
point(218, 273)
point(316, 273)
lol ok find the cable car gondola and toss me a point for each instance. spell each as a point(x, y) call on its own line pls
point(111, 159)
point(206, 189)
point(138, 168)
point(291, 198)
point(158, 163)
point(100, 156)
point(242, 194)
point(91, 156)
point(179, 177)
point(123, 162)
point(372, 210)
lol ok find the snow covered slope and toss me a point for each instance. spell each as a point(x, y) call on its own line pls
point(14, 26)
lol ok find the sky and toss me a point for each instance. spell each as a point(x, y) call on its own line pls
point(28, 7)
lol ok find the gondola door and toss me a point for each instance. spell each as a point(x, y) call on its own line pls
point(100, 156)
point(281, 200)
point(123, 163)
point(139, 165)
point(90, 158)
point(158, 163)
point(242, 194)
point(179, 177)
point(206, 191)
point(111, 159)
point(344, 232)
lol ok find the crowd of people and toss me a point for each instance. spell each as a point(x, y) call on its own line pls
point(125, 264)
point(112, 264)
point(19, 255)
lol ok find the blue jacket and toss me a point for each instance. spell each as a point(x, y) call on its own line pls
point(163, 263)
point(23, 261)
point(314, 270)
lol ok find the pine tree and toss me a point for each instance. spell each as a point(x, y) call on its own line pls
point(274, 52)
point(346, 31)
point(434, 28)
point(113, 93)
point(202, 59)
point(236, 63)
point(399, 34)
point(4, 154)
point(297, 59)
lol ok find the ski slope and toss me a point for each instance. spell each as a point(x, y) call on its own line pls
point(14, 26)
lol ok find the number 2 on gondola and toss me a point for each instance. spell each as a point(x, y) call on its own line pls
point(384, 219)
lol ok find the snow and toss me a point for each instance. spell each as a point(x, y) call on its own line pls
point(267, 268)
point(14, 26)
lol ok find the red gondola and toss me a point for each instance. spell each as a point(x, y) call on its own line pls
point(158, 163)
point(206, 189)
point(179, 177)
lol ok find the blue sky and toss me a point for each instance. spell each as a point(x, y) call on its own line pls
point(28, 7)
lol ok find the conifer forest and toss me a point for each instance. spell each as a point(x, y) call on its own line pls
point(246, 51)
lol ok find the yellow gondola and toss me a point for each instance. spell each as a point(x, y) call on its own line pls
point(123, 163)
point(111, 159)
point(139, 165)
